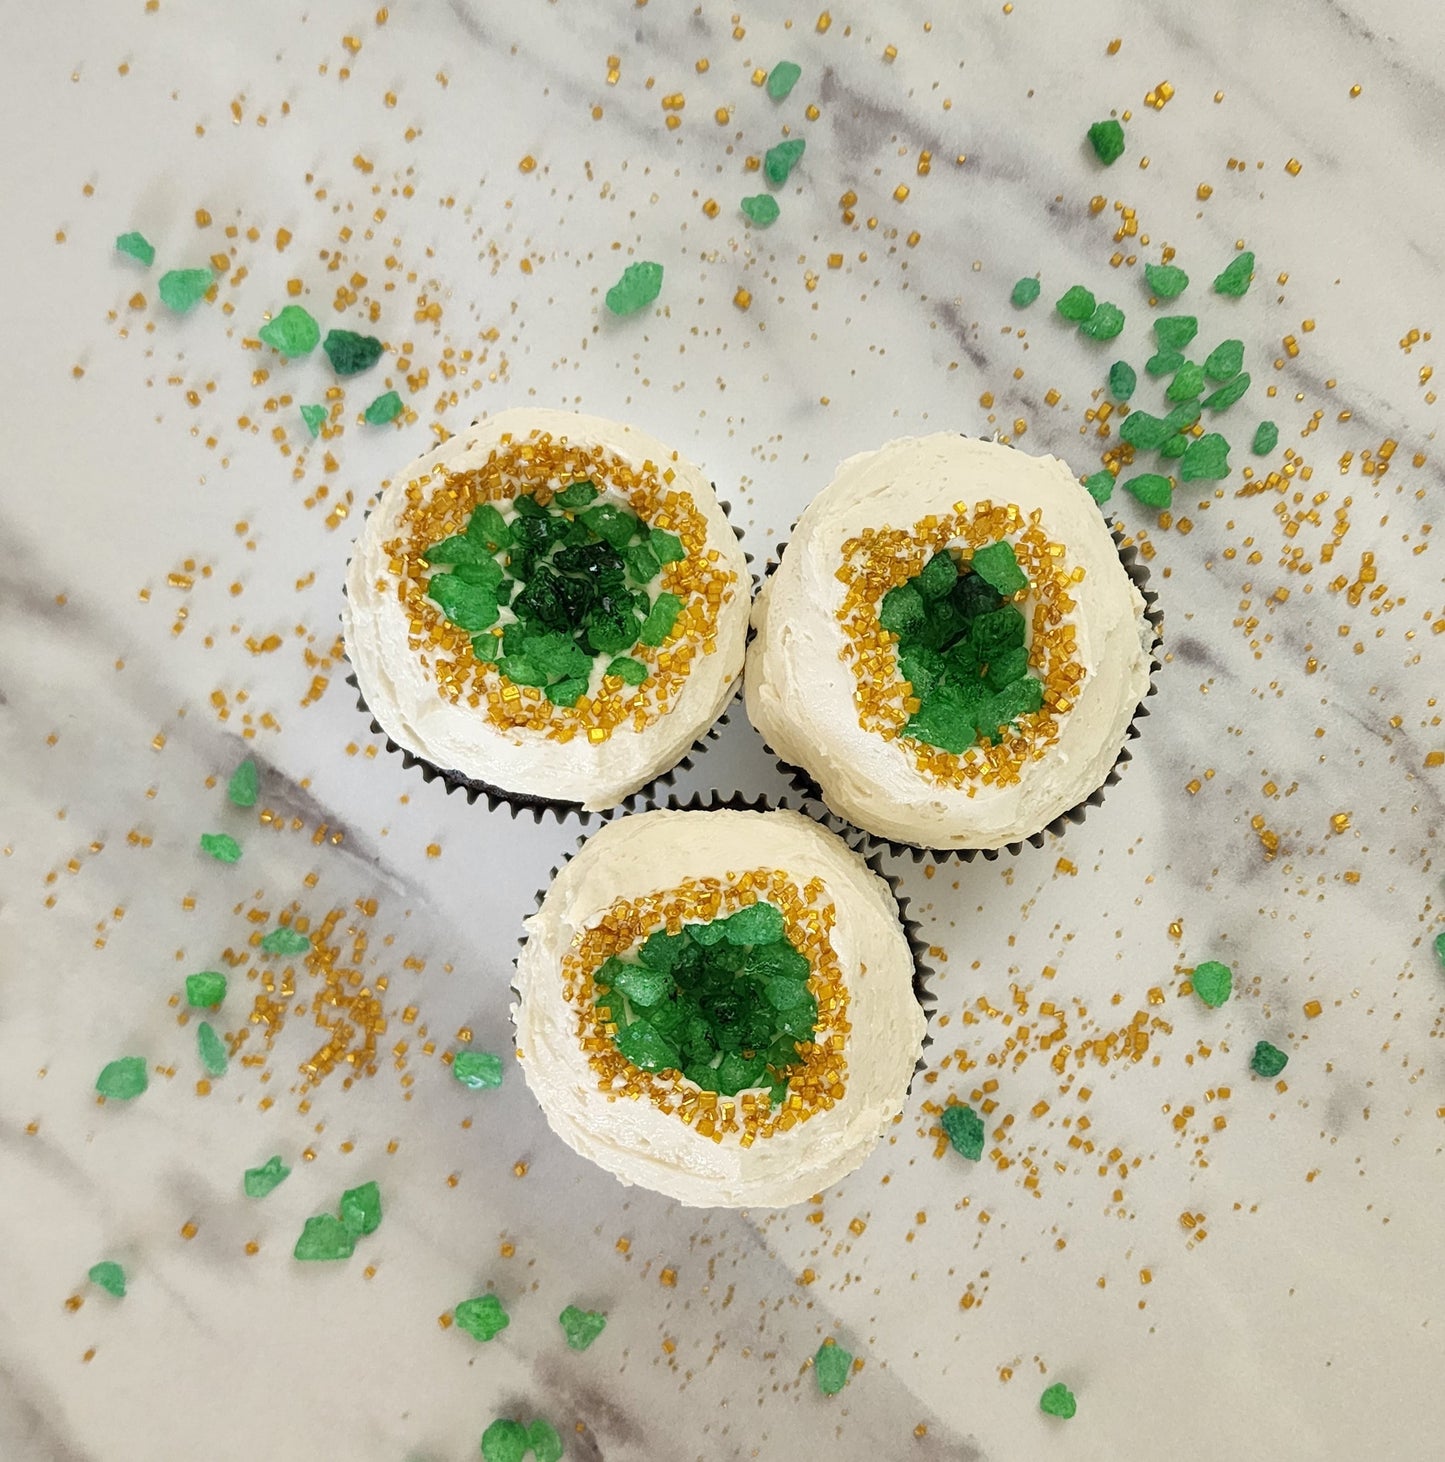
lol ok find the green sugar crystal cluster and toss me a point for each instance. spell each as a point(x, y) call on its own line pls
point(566, 584)
point(961, 647)
point(724, 1002)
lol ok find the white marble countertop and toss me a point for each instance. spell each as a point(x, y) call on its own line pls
point(176, 544)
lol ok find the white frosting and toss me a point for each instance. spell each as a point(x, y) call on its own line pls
point(800, 694)
point(402, 694)
point(632, 1139)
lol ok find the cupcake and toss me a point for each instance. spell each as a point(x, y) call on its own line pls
point(719, 1005)
point(547, 608)
point(951, 648)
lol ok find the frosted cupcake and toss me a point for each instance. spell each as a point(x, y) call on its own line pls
point(547, 608)
point(719, 1005)
point(950, 648)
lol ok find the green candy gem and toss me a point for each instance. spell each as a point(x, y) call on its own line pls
point(483, 1317)
point(964, 1129)
point(489, 528)
point(477, 1070)
point(783, 78)
point(641, 283)
point(628, 670)
point(1228, 393)
point(292, 333)
point(1267, 1060)
point(315, 418)
point(205, 989)
point(1164, 362)
point(1076, 304)
point(667, 546)
point(614, 525)
point(761, 209)
point(1174, 332)
point(1151, 489)
point(123, 1079)
point(386, 407)
point(212, 1050)
point(350, 353)
point(1100, 485)
point(463, 548)
point(1183, 416)
point(1440, 948)
point(758, 923)
point(1176, 446)
point(285, 940)
point(468, 606)
point(1143, 431)
point(545, 1443)
point(1122, 380)
point(581, 1327)
point(1105, 323)
point(1212, 982)
point(577, 495)
point(1107, 140)
point(505, 1441)
point(1266, 439)
point(998, 566)
point(1225, 361)
point(1234, 278)
point(109, 1275)
point(641, 563)
point(136, 246)
point(1058, 1401)
point(780, 160)
point(182, 290)
point(1165, 280)
point(937, 576)
point(901, 609)
point(221, 846)
point(660, 619)
point(642, 986)
point(244, 785)
point(1026, 291)
point(324, 1238)
point(1206, 457)
point(645, 1048)
point(1188, 382)
point(258, 1182)
point(361, 1209)
point(831, 1367)
point(1005, 669)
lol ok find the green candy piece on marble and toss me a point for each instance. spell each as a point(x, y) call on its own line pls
point(294, 332)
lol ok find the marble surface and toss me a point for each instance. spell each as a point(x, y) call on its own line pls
point(175, 552)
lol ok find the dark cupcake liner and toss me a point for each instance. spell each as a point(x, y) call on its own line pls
point(860, 838)
point(923, 972)
point(557, 809)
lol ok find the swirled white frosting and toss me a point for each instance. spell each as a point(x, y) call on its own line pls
point(633, 1139)
point(402, 694)
point(800, 695)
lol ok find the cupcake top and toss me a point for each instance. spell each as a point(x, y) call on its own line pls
point(718, 1006)
point(950, 646)
point(551, 604)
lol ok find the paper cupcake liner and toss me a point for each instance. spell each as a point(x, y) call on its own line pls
point(860, 838)
point(912, 931)
point(542, 808)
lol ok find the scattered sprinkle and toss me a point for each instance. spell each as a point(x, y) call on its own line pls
point(244, 785)
point(108, 1274)
point(1225, 361)
point(477, 1069)
point(324, 1238)
point(964, 1129)
point(184, 289)
point(781, 159)
point(205, 989)
point(1076, 303)
point(1206, 457)
point(1026, 291)
point(581, 1327)
point(386, 407)
point(293, 332)
point(505, 1441)
point(221, 846)
point(783, 78)
point(258, 1182)
point(1267, 1060)
point(1151, 489)
point(831, 1366)
point(1212, 982)
point(640, 284)
point(1266, 439)
point(1058, 1401)
point(1234, 278)
point(350, 353)
point(361, 1209)
point(483, 1317)
point(314, 417)
point(1100, 486)
point(761, 209)
point(1107, 140)
point(284, 940)
point(1166, 280)
point(136, 246)
point(1105, 323)
point(212, 1050)
point(1122, 380)
point(123, 1079)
